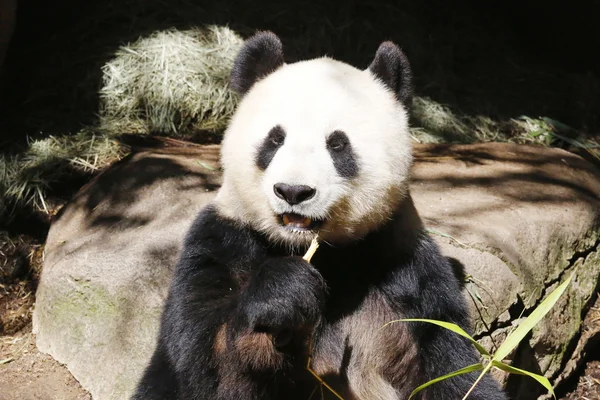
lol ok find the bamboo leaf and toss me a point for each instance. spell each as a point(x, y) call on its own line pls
point(462, 371)
point(515, 337)
point(485, 370)
point(512, 370)
point(448, 325)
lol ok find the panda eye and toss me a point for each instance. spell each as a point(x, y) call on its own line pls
point(337, 146)
point(277, 136)
point(337, 141)
point(277, 140)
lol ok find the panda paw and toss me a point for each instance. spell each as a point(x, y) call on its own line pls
point(284, 296)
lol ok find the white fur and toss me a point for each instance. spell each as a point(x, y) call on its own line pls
point(310, 100)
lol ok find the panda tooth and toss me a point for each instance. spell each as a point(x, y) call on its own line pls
point(296, 222)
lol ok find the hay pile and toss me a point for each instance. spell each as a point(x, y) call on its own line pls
point(27, 178)
point(172, 82)
point(438, 123)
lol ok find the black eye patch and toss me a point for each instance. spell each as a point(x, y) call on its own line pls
point(269, 147)
point(344, 158)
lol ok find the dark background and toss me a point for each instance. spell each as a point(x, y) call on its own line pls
point(501, 59)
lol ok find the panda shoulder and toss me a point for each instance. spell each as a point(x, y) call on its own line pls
point(216, 236)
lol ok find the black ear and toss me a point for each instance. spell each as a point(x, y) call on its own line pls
point(261, 55)
point(392, 67)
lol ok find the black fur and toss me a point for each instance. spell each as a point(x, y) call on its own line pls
point(260, 55)
point(344, 158)
point(391, 66)
point(232, 275)
point(269, 147)
point(241, 310)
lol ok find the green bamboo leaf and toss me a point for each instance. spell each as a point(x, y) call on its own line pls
point(512, 370)
point(453, 327)
point(515, 337)
point(462, 371)
point(485, 371)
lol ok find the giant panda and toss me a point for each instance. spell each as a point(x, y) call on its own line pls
point(315, 148)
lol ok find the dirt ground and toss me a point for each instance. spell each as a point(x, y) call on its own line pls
point(27, 374)
point(588, 387)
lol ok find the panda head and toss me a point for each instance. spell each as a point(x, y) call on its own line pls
point(317, 146)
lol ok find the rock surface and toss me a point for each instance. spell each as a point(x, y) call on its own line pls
point(518, 218)
point(108, 261)
point(521, 219)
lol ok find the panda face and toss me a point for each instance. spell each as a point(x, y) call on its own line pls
point(315, 148)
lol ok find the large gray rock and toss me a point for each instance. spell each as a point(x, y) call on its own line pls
point(521, 219)
point(518, 218)
point(107, 263)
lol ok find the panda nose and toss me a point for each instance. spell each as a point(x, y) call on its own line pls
point(293, 194)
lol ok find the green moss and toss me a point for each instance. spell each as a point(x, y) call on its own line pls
point(84, 301)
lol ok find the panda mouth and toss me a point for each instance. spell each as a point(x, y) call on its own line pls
point(299, 222)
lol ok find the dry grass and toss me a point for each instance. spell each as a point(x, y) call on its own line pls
point(172, 82)
point(20, 264)
point(8, 248)
point(436, 123)
point(26, 178)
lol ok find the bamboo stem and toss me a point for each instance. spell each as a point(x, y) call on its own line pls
point(314, 245)
point(485, 370)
